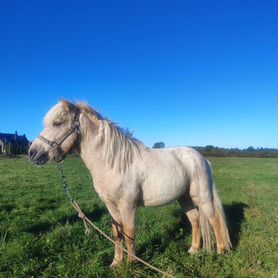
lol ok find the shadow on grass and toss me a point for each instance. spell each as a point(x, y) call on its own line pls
point(235, 217)
point(94, 215)
point(162, 239)
point(45, 227)
point(40, 228)
point(7, 207)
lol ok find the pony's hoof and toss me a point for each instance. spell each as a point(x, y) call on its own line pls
point(115, 264)
point(193, 250)
point(132, 260)
point(220, 251)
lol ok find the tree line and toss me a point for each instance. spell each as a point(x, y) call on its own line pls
point(211, 150)
point(248, 152)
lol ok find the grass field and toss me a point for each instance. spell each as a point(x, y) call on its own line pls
point(41, 235)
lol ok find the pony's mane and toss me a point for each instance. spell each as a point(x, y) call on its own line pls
point(90, 112)
point(118, 145)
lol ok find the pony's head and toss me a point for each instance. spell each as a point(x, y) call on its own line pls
point(59, 136)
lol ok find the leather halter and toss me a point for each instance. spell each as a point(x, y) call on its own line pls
point(56, 144)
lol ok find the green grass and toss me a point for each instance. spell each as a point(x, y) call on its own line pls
point(41, 235)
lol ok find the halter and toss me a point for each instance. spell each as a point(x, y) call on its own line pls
point(56, 144)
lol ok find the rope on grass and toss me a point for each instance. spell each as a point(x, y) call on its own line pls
point(87, 221)
point(87, 231)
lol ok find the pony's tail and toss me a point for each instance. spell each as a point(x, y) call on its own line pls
point(222, 220)
point(206, 229)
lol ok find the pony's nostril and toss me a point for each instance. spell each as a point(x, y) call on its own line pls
point(32, 154)
point(42, 158)
point(38, 157)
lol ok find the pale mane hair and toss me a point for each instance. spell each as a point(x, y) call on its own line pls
point(119, 147)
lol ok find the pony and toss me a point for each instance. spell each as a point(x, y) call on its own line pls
point(127, 174)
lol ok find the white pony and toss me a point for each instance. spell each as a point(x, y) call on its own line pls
point(127, 174)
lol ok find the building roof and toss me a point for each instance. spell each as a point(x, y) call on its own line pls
point(8, 137)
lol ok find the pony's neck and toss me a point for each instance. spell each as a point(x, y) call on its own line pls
point(104, 146)
point(87, 147)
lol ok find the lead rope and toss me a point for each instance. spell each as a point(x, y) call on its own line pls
point(87, 221)
point(72, 202)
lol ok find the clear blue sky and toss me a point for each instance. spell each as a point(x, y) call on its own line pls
point(182, 72)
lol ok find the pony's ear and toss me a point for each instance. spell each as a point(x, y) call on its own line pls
point(65, 103)
point(69, 106)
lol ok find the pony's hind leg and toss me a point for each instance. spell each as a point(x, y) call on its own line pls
point(193, 216)
point(213, 218)
point(206, 198)
point(212, 212)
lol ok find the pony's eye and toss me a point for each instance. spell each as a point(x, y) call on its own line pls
point(57, 124)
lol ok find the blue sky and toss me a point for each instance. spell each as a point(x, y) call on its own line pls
point(182, 72)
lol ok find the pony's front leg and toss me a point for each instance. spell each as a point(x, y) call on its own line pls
point(128, 215)
point(117, 234)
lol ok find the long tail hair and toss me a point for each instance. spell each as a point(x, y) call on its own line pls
point(206, 229)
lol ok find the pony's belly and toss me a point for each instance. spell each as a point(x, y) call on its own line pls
point(159, 195)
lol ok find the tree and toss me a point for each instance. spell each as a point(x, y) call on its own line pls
point(209, 148)
point(159, 145)
point(250, 149)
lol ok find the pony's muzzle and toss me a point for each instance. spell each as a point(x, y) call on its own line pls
point(38, 157)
